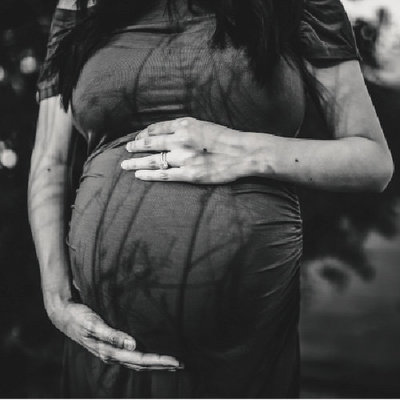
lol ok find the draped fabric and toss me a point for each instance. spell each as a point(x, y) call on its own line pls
point(326, 32)
point(206, 273)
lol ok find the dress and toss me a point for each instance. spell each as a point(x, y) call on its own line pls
point(206, 273)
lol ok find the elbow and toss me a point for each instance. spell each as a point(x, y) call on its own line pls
point(384, 173)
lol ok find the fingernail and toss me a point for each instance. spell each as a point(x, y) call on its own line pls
point(129, 344)
point(128, 147)
point(177, 364)
point(123, 165)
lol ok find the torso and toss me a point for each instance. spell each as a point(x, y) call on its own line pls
point(206, 273)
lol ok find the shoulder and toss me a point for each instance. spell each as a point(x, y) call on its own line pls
point(72, 5)
point(326, 32)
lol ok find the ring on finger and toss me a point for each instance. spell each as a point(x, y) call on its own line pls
point(163, 161)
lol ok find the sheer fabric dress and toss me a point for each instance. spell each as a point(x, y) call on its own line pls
point(206, 273)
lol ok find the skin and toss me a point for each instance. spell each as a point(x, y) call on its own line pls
point(357, 159)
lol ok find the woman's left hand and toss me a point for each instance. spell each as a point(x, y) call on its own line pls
point(190, 151)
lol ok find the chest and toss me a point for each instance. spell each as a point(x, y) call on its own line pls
point(149, 73)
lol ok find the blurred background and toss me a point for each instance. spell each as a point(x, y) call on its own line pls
point(350, 323)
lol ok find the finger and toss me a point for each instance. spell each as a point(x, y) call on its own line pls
point(142, 134)
point(156, 143)
point(99, 330)
point(101, 350)
point(172, 174)
point(150, 368)
point(174, 158)
point(161, 128)
point(146, 359)
point(149, 162)
point(168, 127)
point(110, 354)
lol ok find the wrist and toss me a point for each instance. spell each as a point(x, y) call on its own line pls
point(54, 301)
point(260, 157)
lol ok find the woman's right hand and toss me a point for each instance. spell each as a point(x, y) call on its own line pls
point(85, 327)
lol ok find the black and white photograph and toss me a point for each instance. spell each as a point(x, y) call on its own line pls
point(199, 199)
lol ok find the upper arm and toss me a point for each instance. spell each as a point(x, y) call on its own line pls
point(53, 135)
point(329, 47)
point(54, 125)
point(348, 106)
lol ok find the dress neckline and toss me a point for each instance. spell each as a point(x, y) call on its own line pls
point(165, 22)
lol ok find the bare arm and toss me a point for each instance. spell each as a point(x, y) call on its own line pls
point(356, 159)
point(47, 199)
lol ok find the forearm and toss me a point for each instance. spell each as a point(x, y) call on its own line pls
point(357, 158)
point(347, 164)
point(46, 199)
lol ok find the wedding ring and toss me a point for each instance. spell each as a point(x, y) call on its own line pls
point(164, 163)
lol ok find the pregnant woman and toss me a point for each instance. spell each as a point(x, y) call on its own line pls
point(178, 274)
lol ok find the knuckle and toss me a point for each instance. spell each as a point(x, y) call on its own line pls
point(153, 164)
point(87, 332)
point(183, 134)
point(187, 121)
point(164, 176)
point(151, 128)
point(185, 137)
point(88, 328)
point(147, 142)
point(189, 158)
point(195, 176)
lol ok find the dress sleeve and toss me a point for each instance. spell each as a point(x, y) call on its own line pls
point(64, 19)
point(326, 33)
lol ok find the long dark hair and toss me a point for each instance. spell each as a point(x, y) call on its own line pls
point(266, 29)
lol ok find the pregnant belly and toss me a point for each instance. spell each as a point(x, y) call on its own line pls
point(183, 267)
